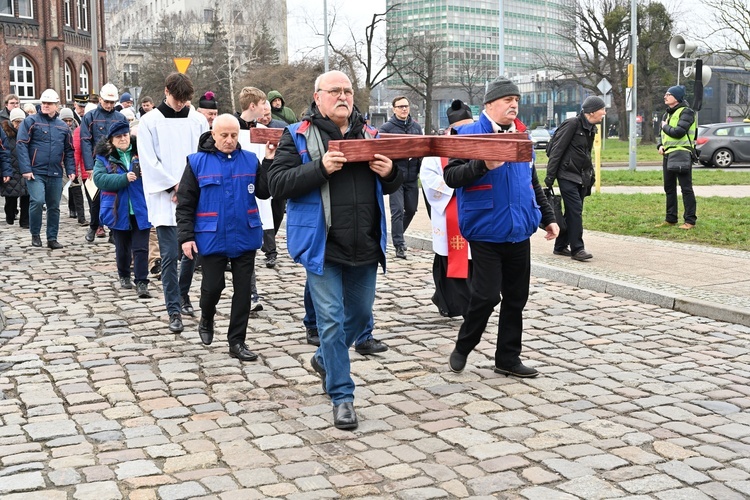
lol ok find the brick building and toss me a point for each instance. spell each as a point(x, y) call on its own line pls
point(47, 44)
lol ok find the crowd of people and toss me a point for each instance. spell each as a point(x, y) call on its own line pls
point(182, 188)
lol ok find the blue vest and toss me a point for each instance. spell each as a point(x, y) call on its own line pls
point(227, 221)
point(305, 216)
point(499, 207)
point(114, 210)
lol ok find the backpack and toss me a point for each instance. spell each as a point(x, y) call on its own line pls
point(551, 141)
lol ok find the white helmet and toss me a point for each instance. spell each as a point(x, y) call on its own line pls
point(50, 95)
point(109, 93)
point(89, 107)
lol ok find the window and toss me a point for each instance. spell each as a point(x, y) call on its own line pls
point(83, 79)
point(208, 15)
point(130, 75)
point(22, 77)
point(6, 8)
point(25, 8)
point(731, 93)
point(66, 13)
point(68, 83)
point(83, 15)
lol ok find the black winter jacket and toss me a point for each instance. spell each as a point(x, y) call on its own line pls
point(570, 158)
point(409, 166)
point(16, 186)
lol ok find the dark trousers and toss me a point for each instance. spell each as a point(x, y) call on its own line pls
point(94, 209)
point(213, 284)
point(403, 207)
point(278, 207)
point(498, 268)
point(269, 244)
point(572, 194)
point(75, 201)
point(132, 242)
point(12, 205)
point(688, 196)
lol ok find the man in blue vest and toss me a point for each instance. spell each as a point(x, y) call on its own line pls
point(335, 227)
point(217, 217)
point(675, 143)
point(500, 205)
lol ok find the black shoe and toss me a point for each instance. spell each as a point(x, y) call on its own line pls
point(186, 307)
point(344, 416)
point(156, 269)
point(371, 346)
point(36, 241)
point(206, 330)
point(54, 245)
point(319, 370)
point(564, 251)
point(520, 370)
point(271, 262)
point(111, 238)
point(457, 361)
point(126, 283)
point(72, 215)
point(401, 252)
point(175, 323)
point(10, 220)
point(83, 222)
point(141, 289)
point(312, 336)
point(24, 225)
point(581, 255)
point(241, 352)
point(90, 234)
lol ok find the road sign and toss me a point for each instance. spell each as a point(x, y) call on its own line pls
point(182, 63)
point(604, 86)
point(474, 109)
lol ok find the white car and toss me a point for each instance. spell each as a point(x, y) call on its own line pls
point(540, 137)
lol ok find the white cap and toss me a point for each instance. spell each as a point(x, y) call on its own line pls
point(50, 95)
point(89, 107)
point(17, 114)
point(109, 93)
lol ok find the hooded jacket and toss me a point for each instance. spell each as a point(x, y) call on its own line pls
point(95, 125)
point(45, 146)
point(216, 202)
point(119, 197)
point(503, 205)
point(16, 186)
point(341, 217)
point(284, 114)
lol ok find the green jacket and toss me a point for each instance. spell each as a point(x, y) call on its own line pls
point(284, 114)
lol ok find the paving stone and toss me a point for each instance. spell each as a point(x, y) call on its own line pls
point(102, 490)
point(27, 481)
point(188, 489)
point(40, 431)
point(136, 468)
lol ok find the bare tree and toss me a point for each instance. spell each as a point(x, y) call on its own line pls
point(426, 62)
point(730, 27)
point(473, 72)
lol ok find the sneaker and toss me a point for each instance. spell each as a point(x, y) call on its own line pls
point(142, 290)
point(371, 346)
point(100, 232)
point(90, 235)
point(175, 323)
point(255, 304)
point(271, 262)
point(186, 307)
point(457, 361)
point(126, 283)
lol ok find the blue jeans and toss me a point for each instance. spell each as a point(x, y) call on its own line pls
point(343, 298)
point(44, 190)
point(310, 320)
point(170, 251)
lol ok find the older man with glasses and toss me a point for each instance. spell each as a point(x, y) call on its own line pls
point(95, 126)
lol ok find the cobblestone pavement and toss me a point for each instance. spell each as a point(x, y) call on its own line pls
point(99, 401)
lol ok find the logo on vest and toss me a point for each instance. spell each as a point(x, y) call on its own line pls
point(251, 188)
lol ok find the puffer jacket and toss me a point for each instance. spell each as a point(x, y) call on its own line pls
point(570, 158)
point(44, 146)
point(95, 125)
point(16, 186)
point(409, 166)
point(119, 197)
point(284, 114)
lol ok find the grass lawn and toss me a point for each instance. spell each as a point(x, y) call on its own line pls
point(701, 177)
point(617, 151)
point(722, 222)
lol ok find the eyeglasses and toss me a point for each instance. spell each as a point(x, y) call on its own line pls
point(337, 91)
point(667, 94)
point(402, 106)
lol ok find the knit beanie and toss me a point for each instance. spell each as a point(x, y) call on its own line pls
point(208, 101)
point(125, 97)
point(592, 103)
point(457, 111)
point(118, 128)
point(66, 113)
point(500, 87)
point(17, 114)
point(678, 92)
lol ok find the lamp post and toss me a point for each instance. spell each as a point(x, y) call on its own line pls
point(325, 35)
point(501, 41)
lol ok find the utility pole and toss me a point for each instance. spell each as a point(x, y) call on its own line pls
point(325, 35)
point(633, 82)
point(501, 41)
point(94, 48)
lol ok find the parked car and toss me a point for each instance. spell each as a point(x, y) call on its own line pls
point(721, 144)
point(540, 137)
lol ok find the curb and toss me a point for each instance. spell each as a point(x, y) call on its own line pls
point(687, 305)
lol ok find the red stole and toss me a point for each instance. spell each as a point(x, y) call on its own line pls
point(458, 247)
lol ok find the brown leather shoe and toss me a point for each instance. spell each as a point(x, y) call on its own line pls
point(687, 226)
point(665, 224)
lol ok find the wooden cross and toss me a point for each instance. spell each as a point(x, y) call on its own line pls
point(497, 147)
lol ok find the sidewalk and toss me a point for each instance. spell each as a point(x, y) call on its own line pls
point(694, 279)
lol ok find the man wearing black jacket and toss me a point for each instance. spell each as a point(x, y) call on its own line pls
point(570, 163)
